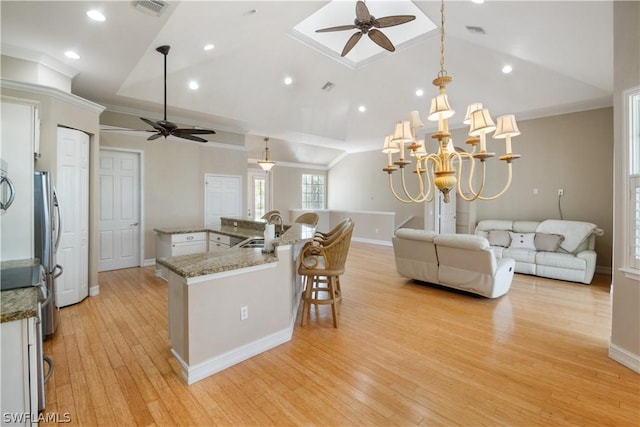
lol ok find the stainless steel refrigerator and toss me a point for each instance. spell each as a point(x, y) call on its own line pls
point(46, 230)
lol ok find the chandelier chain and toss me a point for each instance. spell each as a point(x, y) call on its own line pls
point(442, 72)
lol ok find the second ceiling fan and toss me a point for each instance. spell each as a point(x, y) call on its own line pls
point(166, 128)
point(366, 23)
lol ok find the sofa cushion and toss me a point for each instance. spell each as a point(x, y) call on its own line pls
point(522, 241)
point(463, 241)
point(574, 232)
point(499, 238)
point(414, 234)
point(548, 242)
point(521, 255)
point(560, 260)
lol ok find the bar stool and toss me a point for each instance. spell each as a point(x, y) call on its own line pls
point(322, 264)
point(309, 218)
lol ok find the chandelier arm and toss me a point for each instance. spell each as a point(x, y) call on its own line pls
point(396, 194)
point(429, 173)
point(506, 187)
point(420, 197)
point(476, 195)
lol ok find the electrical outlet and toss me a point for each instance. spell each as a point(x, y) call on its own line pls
point(560, 192)
point(244, 312)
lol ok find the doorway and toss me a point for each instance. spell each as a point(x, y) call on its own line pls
point(120, 221)
point(258, 194)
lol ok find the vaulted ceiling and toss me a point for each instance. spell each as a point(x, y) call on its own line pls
point(561, 54)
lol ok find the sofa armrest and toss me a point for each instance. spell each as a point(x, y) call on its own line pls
point(590, 258)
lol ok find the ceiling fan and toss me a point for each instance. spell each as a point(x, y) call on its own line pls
point(366, 23)
point(166, 128)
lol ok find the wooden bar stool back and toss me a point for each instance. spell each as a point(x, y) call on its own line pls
point(325, 261)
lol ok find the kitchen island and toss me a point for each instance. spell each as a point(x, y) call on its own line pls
point(227, 306)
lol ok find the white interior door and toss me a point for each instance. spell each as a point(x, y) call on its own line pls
point(72, 184)
point(222, 198)
point(447, 214)
point(119, 222)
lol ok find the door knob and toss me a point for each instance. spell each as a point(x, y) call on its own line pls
point(135, 224)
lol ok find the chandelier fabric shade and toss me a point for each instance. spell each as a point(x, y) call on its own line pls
point(443, 171)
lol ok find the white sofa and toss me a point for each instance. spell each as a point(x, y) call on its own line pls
point(460, 261)
point(552, 248)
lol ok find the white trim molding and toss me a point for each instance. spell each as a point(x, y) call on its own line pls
point(624, 357)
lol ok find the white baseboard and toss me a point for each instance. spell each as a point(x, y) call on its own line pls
point(192, 374)
point(149, 262)
point(624, 357)
point(372, 241)
point(94, 291)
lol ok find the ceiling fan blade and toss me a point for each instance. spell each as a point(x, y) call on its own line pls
point(362, 12)
point(351, 43)
point(193, 132)
point(338, 28)
point(390, 21)
point(154, 136)
point(187, 136)
point(381, 40)
point(152, 123)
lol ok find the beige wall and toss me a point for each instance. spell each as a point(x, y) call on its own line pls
point(625, 330)
point(286, 187)
point(358, 183)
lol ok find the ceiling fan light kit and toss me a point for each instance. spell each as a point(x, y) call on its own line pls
point(367, 24)
point(443, 171)
point(166, 128)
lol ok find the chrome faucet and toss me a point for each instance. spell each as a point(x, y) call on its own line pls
point(281, 223)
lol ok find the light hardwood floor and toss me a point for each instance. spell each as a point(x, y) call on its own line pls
point(405, 354)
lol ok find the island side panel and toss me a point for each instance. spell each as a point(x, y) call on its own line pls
point(178, 315)
point(214, 324)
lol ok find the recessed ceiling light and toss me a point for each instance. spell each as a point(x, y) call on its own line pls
point(96, 15)
point(507, 69)
point(71, 54)
point(362, 108)
point(193, 85)
point(478, 1)
point(208, 46)
point(419, 92)
point(288, 80)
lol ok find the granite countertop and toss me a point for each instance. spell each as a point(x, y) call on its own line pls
point(202, 264)
point(18, 304)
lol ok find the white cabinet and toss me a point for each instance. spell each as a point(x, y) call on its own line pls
point(19, 133)
point(218, 242)
point(178, 244)
point(19, 371)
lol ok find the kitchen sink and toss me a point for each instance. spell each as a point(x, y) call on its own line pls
point(252, 243)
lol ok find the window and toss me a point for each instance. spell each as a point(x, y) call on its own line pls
point(259, 196)
point(633, 214)
point(312, 192)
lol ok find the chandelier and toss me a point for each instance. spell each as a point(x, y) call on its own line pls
point(266, 164)
point(444, 170)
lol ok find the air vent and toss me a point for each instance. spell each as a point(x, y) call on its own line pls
point(328, 86)
point(475, 30)
point(150, 7)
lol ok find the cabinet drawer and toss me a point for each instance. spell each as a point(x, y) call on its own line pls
point(219, 238)
point(188, 237)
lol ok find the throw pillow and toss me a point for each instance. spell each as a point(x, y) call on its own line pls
point(548, 242)
point(499, 238)
point(522, 241)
